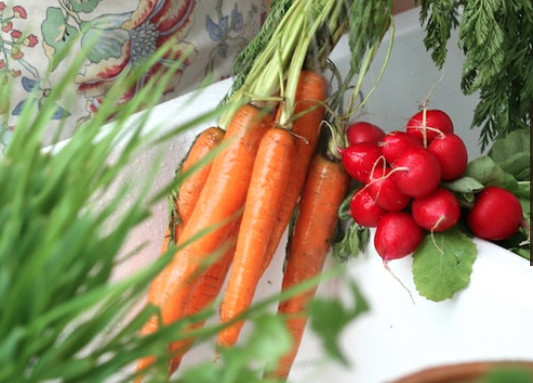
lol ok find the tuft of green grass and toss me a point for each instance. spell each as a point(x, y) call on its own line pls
point(61, 317)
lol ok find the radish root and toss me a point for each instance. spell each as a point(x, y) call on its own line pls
point(432, 232)
point(389, 270)
point(398, 169)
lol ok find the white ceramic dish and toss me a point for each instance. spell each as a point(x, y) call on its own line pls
point(491, 319)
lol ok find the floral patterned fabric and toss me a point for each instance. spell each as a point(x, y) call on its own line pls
point(210, 34)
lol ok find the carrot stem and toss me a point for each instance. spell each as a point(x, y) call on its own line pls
point(295, 68)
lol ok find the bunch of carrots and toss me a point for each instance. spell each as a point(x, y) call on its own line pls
point(231, 213)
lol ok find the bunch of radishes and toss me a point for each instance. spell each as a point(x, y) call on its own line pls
point(403, 194)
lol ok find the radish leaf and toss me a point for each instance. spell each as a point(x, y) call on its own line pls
point(464, 185)
point(514, 142)
point(512, 153)
point(518, 165)
point(442, 264)
point(485, 170)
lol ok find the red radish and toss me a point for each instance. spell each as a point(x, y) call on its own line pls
point(360, 159)
point(496, 214)
point(438, 211)
point(397, 235)
point(395, 143)
point(385, 191)
point(361, 131)
point(429, 123)
point(416, 172)
point(364, 209)
point(451, 152)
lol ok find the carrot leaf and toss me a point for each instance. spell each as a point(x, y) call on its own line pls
point(496, 38)
point(369, 20)
point(244, 61)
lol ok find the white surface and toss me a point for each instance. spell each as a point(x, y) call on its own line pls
point(491, 319)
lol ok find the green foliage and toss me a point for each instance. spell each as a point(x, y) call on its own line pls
point(486, 171)
point(442, 264)
point(329, 317)
point(244, 61)
point(351, 241)
point(351, 238)
point(496, 37)
point(506, 165)
point(464, 185)
point(61, 316)
point(251, 360)
point(259, 350)
point(369, 21)
point(300, 35)
point(513, 153)
point(440, 18)
point(246, 362)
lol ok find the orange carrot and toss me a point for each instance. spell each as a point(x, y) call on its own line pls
point(311, 92)
point(185, 197)
point(166, 240)
point(189, 191)
point(325, 188)
point(184, 200)
point(203, 295)
point(270, 177)
point(219, 205)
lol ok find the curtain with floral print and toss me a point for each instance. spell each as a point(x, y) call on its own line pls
point(209, 32)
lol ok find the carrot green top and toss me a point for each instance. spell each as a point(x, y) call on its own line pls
point(300, 34)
